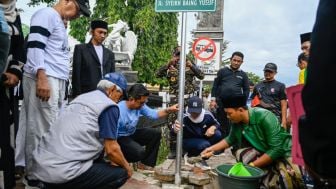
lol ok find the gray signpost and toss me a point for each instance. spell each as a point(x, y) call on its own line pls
point(183, 6)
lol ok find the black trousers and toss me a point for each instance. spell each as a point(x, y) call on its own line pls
point(142, 146)
point(7, 152)
point(222, 118)
point(99, 176)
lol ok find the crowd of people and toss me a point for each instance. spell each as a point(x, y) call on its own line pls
point(90, 142)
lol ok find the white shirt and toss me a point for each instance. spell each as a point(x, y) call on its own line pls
point(47, 46)
point(99, 51)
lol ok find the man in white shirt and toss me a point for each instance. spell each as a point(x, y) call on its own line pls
point(46, 71)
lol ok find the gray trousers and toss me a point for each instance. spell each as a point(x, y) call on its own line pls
point(37, 116)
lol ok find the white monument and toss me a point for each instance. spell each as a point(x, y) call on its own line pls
point(123, 44)
point(123, 47)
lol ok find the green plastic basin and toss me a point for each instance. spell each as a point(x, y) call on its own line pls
point(239, 182)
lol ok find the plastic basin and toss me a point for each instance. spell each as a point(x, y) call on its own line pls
point(239, 182)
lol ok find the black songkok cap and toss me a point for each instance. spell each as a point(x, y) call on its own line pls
point(234, 101)
point(305, 37)
point(98, 24)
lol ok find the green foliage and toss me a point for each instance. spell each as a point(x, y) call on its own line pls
point(25, 29)
point(157, 32)
point(207, 88)
point(38, 2)
point(79, 28)
point(253, 77)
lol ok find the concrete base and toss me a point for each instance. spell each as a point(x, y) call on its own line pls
point(131, 76)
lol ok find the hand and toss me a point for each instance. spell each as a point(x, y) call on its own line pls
point(129, 171)
point(172, 63)
point(12, 80)
point(176, 126)
point(210, 131)
point(189, 64)
point(42, 86)
point(284, 124)
point(173, 108)
point(171, 67)
point(207, 153)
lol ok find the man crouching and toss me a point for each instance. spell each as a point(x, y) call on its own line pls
point(69, 155)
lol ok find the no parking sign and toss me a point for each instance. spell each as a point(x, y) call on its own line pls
point(204, 48)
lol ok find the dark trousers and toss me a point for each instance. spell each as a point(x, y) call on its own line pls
point(99, 176)
point(142, 146)
point(7, 152)
point(194, 146)
point(222, 118)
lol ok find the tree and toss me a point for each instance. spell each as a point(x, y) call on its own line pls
point(157, 32)
point(253, 77)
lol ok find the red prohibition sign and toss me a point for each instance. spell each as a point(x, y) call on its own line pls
point(204, 48)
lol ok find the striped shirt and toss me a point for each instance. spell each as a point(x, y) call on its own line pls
point(47, 46)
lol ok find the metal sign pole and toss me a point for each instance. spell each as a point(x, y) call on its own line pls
point(181, 100)
point(200, 95)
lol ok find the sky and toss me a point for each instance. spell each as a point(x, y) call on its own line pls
point(264, 30)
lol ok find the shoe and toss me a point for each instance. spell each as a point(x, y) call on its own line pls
point(194, 159)
point(19, 172)
point(203, 165)
point(33, 184)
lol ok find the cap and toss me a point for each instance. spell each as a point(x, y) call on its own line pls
point(84, 7)
point(234, 101)
point(98, 24)
point(271, 67)
point(118, 79)
point(195, 105)
point(305, 37)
